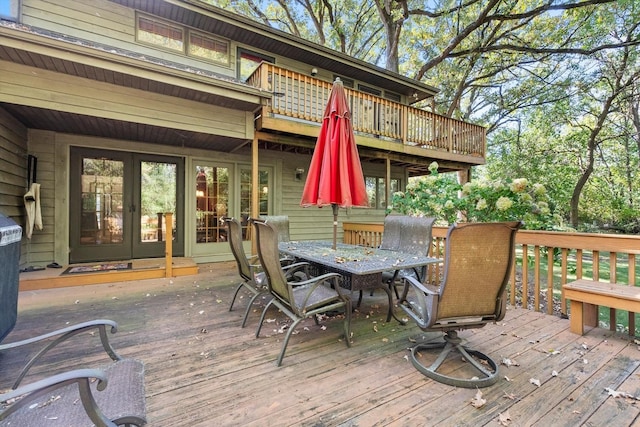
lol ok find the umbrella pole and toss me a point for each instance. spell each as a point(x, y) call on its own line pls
point(334, 206)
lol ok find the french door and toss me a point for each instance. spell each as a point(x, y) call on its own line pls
point(117, 203)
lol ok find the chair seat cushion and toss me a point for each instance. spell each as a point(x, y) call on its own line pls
point(124, 396)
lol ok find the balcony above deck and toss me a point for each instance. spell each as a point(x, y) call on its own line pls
point(406, 136)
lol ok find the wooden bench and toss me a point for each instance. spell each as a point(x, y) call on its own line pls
point(587, 295)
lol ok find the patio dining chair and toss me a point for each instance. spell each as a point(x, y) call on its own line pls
point(410, 234)
point(471, 294)
point(110, 396)
point(302, 299)
point(252, 277)
point(281, 223)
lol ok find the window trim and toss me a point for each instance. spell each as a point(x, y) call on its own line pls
point(14, 10)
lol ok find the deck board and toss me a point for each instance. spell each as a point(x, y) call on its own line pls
point(202, 369)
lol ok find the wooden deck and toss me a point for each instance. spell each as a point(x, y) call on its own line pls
point(202, 369)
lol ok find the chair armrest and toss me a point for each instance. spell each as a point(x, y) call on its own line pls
point(22, 396)
point(424, 309)
point(317, 281)
point(62, 335)
point(419, 286)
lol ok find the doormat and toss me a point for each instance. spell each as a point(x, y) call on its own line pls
point(97, 268)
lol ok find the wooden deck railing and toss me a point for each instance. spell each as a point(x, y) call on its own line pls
point(603, 257)
point(303, 97)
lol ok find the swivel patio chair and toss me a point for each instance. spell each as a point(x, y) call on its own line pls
point(72, 397)
point(298, 300)
point(472, 293)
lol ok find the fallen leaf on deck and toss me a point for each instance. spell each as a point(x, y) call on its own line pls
point(406, 357)
point(616, 393)
point(385, 339)
point(375, 328)
point(535, 381)
point(509, 396)
point(478, 401)
point(324, 328)
point(504, 418)
point(554, 373)
point(218, 301)
point(509, 362)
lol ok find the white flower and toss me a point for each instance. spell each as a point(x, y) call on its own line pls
point(467, 188)
point(504, 203)
point(481, 205)
point(539, 189)
point(519, 185)
point(433, 167)
point(449, 204)
point(525, 197)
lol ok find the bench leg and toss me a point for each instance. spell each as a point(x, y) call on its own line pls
point(576, 324)
point(590, 315)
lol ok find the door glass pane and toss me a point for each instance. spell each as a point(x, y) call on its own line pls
point(157, 196)
point(245, 197)
point(212, 203)
point(101, 212)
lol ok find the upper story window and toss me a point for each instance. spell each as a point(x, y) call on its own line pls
point(10, 10)
point(160, 34)
point(182, 39)
point(248, 61)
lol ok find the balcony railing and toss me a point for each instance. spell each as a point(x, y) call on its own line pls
point(603, 257)
point(302, 97)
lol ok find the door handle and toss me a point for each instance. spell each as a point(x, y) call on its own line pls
point(132, 208)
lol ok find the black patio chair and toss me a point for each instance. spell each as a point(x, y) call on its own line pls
point(110, 396)
point(298, 300)
point(409, 234)
point(472, 293)
point(249, 269)
point(281, 223)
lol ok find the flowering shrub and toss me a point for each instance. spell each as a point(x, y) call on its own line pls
point(478, 201)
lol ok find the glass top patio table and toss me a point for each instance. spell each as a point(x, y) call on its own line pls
point(353, 259)
point(360, 266)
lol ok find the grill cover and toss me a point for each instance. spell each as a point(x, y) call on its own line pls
point(10, 237)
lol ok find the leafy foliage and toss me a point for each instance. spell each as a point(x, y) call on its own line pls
point(441, 196)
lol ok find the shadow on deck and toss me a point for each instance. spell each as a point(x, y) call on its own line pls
point(202, 369)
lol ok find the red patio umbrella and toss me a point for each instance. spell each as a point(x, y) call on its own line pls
point(335, 175)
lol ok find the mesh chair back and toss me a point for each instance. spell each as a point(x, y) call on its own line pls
point(477, 267)
point(267, 240)
point(281, 222)
point(234, 235)
point(408, 234)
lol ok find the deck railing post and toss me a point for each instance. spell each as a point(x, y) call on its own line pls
point(168, 245)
